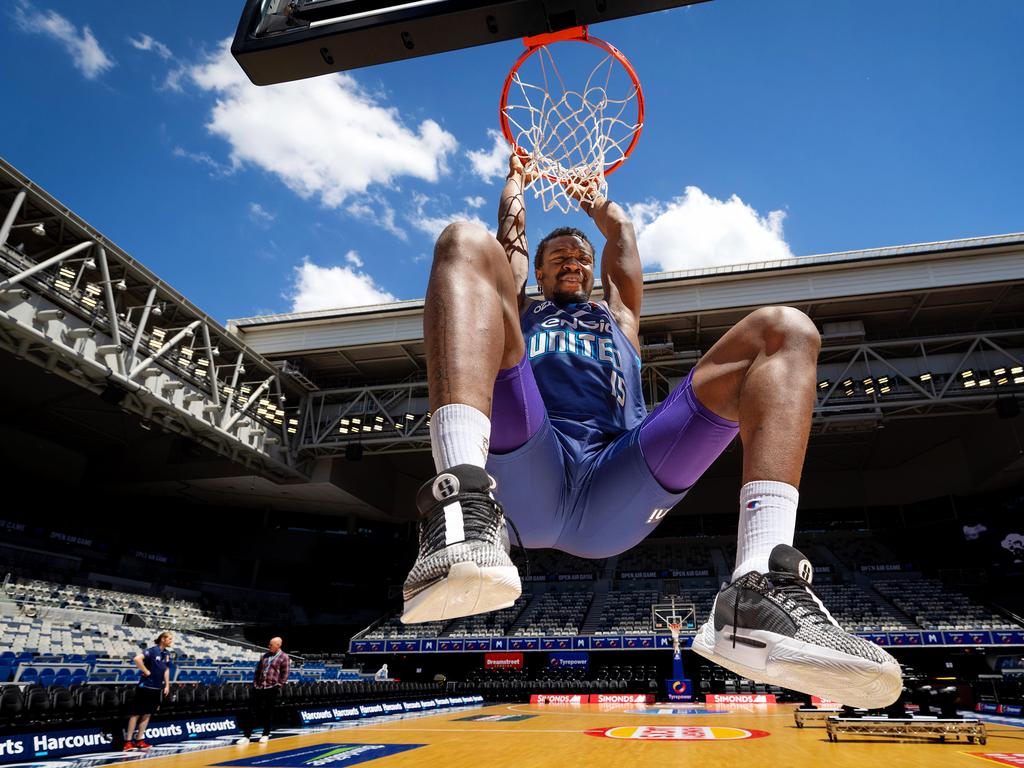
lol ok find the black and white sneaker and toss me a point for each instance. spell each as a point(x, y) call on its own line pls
point(773, 629)
point(462, 567)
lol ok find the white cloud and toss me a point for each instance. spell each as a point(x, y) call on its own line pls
point(85, 50)
point(353, 258)
point(147, 43)
point(323, 137)
point(173, 80)
point(382, 216)
point(203, 158)
point(433, 224)
point(260, 214)
point(696, 230)
point(317, 287)
point(475, 202)
point(492, 163)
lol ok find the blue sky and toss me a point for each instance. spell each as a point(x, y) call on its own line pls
point(774, 128)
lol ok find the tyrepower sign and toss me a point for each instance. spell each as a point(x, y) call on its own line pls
point(740, 698)
point(503, 661)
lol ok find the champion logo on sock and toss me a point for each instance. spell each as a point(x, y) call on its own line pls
point(445, 486)
point(753, 505)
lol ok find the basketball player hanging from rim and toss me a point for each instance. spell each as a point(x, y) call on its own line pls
point(538, 417)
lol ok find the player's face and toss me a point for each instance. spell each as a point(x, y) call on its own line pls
point(566, 274)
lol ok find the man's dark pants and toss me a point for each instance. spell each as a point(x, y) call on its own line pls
point(261, 710)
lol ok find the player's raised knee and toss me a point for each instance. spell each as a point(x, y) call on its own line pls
point(466, 241)
point(786, 325)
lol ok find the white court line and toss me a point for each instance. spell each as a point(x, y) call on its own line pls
point(481, 731)
point(516, 708)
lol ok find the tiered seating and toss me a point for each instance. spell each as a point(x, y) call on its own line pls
point(935, 606)
point(630, 611)
point(494, 624)
point(552, 561)
point(856, 550)
point(116, 641)
point(46, 594)
point(557, 613)
point(681, 554)
point(392, 628)
point(857, 611)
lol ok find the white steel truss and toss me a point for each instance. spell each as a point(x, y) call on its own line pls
point(79, 307)
point(859, 386)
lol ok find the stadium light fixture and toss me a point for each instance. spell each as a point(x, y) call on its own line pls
point(926, 377)
point(969, 383)
point(821, 385)
point(1017, 370)
point(999, 371)
point(38, 229)
point(967, 374)
point(984, 382)
point(848, 383)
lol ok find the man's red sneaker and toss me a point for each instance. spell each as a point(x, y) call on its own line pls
point(128, 746)
point(140, 744)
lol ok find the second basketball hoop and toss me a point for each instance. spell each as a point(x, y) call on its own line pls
point(577, 118)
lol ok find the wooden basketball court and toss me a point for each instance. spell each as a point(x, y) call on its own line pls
point(608, 735)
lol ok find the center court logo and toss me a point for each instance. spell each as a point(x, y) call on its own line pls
point(676, 733)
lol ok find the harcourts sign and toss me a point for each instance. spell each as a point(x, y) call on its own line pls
point(16, 748)
point(179, 730)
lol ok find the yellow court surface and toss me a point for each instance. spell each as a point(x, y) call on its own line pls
point(612, 736)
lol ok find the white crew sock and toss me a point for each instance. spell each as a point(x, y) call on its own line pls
point(459, 434)
point(767, 518)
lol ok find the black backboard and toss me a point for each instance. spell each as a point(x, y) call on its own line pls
point(282, 40)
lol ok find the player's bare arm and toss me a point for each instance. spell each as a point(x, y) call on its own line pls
point(621, 271)
point(512, 224)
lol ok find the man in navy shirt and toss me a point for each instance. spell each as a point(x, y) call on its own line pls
point(155, 683)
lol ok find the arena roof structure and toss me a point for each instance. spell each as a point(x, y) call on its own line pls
point(326, 411)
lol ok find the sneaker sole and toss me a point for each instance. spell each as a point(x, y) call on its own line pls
point(791, 663)
point(468, 589)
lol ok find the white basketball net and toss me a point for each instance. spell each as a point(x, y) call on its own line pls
point(571, 136)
